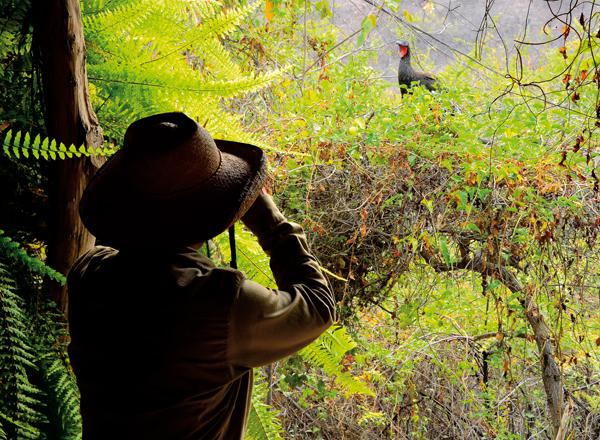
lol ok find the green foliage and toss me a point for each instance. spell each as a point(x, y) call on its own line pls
point(13, 251)
point(57, 380)
point(136, 71)
point(263, 422)
point(38, 394)
point(18, 102)
point(12, 21)
point(327, 352)
point(401, 195)
point(20, 400)
point(398, 195)
point(21, 144)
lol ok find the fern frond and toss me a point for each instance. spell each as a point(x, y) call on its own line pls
point(49, 335)
point(223, 24)
point(12, 250)
point(206, 37)
point(12, 40)
point(120, 18)
point(19, 399)
point(327, 352)
point(238, 86)
point(63, 394)
point(21, 144)
point(25, 430)
point(184, 67)
point(116, 114)
point(156, 78)
point(263, 422)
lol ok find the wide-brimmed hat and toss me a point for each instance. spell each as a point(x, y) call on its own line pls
point(171, 185)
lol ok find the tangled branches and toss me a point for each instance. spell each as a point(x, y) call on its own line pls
point(363, 215)
point(372, 220)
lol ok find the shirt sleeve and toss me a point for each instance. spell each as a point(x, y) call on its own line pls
point(267, 324)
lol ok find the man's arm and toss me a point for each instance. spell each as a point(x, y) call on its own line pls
point(267, 324)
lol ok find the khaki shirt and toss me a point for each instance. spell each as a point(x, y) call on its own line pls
point(163, 345)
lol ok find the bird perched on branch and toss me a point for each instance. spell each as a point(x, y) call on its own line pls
point(407, 75)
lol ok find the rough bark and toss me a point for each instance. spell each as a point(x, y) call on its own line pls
point(69, 119)
point(551, 374)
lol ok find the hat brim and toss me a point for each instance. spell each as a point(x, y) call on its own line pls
point(121, 215)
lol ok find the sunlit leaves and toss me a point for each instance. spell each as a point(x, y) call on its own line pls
point(269, 13)
point(367, 25)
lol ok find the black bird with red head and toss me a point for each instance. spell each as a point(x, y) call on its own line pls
point(407, 75)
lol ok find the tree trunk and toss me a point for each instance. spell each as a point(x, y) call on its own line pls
point(551, 375)
point(69, 119)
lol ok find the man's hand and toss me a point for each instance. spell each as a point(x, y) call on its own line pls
point(263, 215)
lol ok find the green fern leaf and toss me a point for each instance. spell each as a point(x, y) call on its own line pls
point(47, 148)
point(19, 399)
point(263, 422)
point(11, 250)
point(327, 352)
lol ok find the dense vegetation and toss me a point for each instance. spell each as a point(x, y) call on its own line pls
point(459, 228)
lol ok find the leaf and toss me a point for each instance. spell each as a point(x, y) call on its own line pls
point(367, 25)
point(563, 51)
point(17, 141)
point(8, 137)
point(322, 8)
point(408, 16)
point(269, 14)
point(328, 352)
point(472, 227)
point(445, 251)
point(36, 142)
point(428, 204)
point(494, 284)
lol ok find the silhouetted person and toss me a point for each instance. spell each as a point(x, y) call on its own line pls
point(162, 341)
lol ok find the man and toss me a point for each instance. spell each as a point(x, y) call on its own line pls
point(162, 341)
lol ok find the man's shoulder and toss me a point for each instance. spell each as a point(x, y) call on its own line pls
point(192, 266)
point(89, 260)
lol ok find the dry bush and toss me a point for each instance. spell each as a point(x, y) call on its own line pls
point(451, 391)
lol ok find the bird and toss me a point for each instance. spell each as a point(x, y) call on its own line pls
point(407, 75)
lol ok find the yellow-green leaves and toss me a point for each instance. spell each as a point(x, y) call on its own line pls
point(21, 145)
point(368, 24)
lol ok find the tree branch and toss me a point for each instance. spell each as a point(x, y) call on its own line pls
point(551, 375)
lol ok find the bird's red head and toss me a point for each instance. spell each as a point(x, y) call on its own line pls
point(402, 48)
